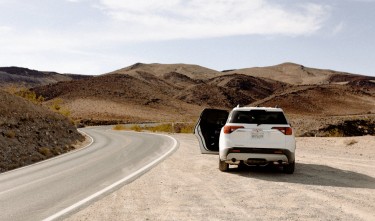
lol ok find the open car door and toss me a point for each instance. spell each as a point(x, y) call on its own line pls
point(208, 129)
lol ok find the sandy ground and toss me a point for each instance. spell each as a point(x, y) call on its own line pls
point(334, 180)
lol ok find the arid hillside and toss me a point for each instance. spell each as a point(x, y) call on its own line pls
point(163, 70)
point(30, 133)
point(138, 94)
point(297, 74)
point(323, 100)
point(312, 98)
point(24, 77)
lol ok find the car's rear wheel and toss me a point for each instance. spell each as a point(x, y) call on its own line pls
point(223, 166)
point(289, 168)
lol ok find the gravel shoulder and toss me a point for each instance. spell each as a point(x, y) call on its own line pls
point(334, 180)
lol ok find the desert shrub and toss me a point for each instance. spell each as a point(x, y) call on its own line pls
point(56, 151)
point(29, 95)
point(136, 128)
point(10, 134)
point(187, 129)
point(172, 128)
point(119, 127)
point(335, 132)
point(11, 89)
point(160, 128)
point(45, 151)
point(184, 127)
point(57, 107)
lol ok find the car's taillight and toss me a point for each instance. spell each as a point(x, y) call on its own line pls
point(284, 130)
point(230, 129)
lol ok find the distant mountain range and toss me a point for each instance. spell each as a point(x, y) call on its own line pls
point(16, 76)
point(179, 92)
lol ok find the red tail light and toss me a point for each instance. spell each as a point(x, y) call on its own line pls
point(284, 130)
point(230, 129)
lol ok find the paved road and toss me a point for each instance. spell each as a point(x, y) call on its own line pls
point(55, 188)
point(332, 181)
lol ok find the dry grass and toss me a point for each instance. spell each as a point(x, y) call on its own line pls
point(24, 93)
point(166, 128)
point(58, 108)
point(119, 127)
point(161, 128)
point(186, 128)
point(136, 128)
point(45, 151)
point(10, 134)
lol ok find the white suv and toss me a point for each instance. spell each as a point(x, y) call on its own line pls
point(250, 136)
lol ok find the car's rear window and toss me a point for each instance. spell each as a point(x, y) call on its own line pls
point(258, 117)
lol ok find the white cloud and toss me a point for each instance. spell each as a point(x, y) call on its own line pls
point(108, 26)
point(170, 19)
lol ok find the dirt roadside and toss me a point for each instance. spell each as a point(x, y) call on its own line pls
point(334, 180)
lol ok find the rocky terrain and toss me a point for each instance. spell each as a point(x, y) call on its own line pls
point(24, 77)
point(296, 74)
point(312, 98)
point(30, 133)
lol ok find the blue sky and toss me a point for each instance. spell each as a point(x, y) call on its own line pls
point(99, 36)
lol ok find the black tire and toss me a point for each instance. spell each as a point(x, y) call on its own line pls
point(223, 166)
point(289, 168)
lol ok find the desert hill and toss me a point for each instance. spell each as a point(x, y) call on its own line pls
point(161, 70)
point(179, 92)
point(24, 77)
point(157, 93)
point(118, 97)
point(297, 74)
point(30, 133)
point(325, 100)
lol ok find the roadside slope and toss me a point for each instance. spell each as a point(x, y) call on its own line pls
point(30, 133)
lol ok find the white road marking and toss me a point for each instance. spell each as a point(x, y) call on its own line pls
point(129, 177)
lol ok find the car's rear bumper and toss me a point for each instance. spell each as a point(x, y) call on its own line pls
point(258, 155)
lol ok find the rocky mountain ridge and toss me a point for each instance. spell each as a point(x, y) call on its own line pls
point(24, 77)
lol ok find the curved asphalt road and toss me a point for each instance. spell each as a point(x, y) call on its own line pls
point(55, 188)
